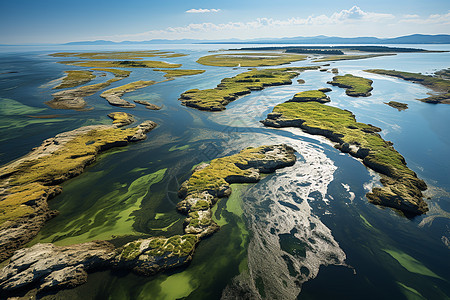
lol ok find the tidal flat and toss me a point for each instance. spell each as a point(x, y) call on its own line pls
point(288, 234)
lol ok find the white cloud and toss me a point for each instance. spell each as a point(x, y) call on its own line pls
point(202, 10)
point(441, 19)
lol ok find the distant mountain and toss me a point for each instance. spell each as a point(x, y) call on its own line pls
point(321, 39)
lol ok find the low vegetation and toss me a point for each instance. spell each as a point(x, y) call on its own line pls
point(120, 64)
point(398, 105)
point(355, 86)
point(75, 78)
point(440, 85)
point(249, 59)
point(308, 96)
point(231, 88)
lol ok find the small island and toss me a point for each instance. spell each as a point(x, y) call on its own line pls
point(401, 189)
point(75, 78)
point(355, 86)
point(119, 54)
point(232, 88)
point(179, 72)
point(349, 57)
point(398, 105)
point(113, 95)
point(308, 96)
point(119, 64)
point(437, 84)
point(249, 59)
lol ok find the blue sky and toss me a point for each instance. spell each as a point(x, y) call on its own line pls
point(59, 21)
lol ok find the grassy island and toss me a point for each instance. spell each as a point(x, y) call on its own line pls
point(117, 73)
point(308, 96)
point(355, 86)
point(242, 84)
point(120, 64)
point(179, 73)
point(119, 54)
point(113, 95)
point(398, 105)
point(440, 85)
point(75, 78)
point(27, 183)
point(249, 59)
point(349, 57)
point(401, 187)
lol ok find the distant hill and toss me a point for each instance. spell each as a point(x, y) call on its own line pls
point(321, 39)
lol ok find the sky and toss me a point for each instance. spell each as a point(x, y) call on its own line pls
point(61, 21)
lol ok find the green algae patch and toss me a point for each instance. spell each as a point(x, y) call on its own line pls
point(112, 214)
point(410, 263)
point(440, 85)
point(176, 148)
point(365, 221)
point(249, 59)
point(355, 86)
point(10, 107)
point(232, 88)
point(402, 189)
point(119, 54)
point(121, 64)
point(410, 293)
point(349, 57)
point(180, 73)
point(75, 78)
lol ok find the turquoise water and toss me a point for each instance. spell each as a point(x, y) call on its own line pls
point(306, 231)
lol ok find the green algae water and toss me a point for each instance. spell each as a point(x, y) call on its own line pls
point(304, 232)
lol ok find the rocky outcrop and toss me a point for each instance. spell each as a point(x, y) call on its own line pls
point(325, 90)
point(51, 267)
point(209, 182)
point(29, 182)
point(148, 105)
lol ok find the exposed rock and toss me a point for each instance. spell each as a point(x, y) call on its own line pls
point(334, 71)
point(148, 105)
point(50, 266)
point(300, 81)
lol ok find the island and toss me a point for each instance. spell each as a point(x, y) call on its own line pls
point(355, 86)
point(232, 88)
point(27, 183)
point(437, 84)
point(113, 95)
point(398, 105)
point(68, 266)
point(307, 96)
point(401, 189)
point(249, 59)
point(148, 105)
point(179, 72)
point(337, 49)
point(120, 64)
point(75, 78)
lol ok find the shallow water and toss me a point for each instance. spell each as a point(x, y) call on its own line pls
point(306, 231)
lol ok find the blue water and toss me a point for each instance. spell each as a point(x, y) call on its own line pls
point(386, 255)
